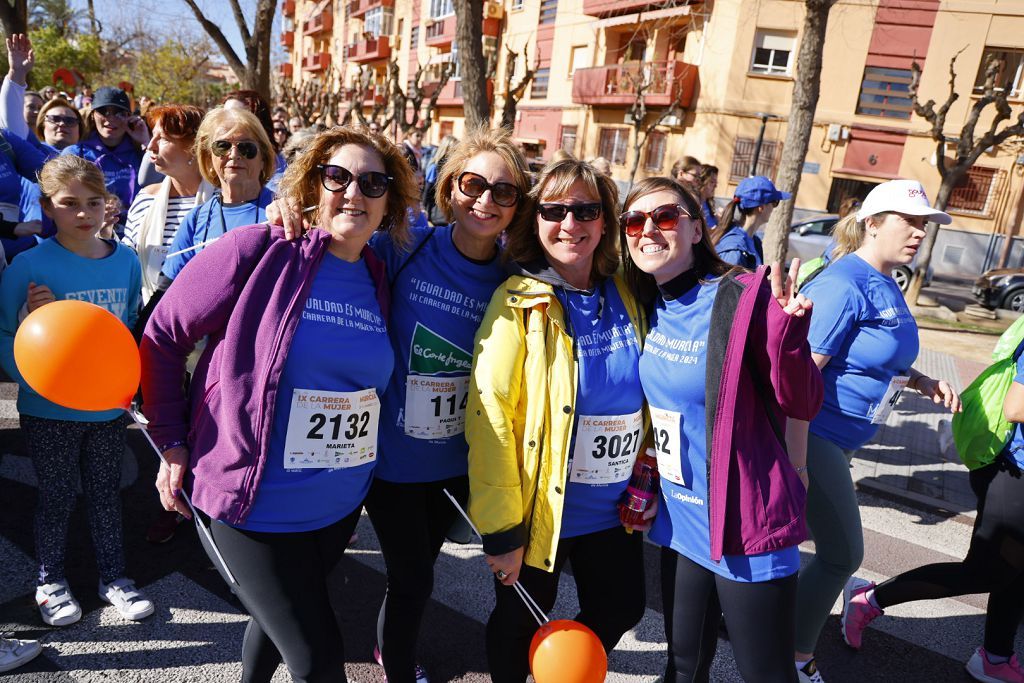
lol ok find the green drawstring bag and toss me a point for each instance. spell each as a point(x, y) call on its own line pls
point(981, 431)
point(809, 270)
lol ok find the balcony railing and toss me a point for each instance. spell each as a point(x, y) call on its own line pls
point(324, 21)
point(370, 50)
point(286, 70)
point(451, 93)
point(441, 32)
point(616, 84)
point(603, 8)
point(288, 38)
point(288, 8)
point(357, 8)
point(316, 62)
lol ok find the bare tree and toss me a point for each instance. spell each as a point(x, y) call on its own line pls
point(970, 145)
point(408, 108)
point(14, 16)
point(806, 89)
point(515, 92)
point(314, 100)
point(254, 72)
point(469, 20)
point(642, 78)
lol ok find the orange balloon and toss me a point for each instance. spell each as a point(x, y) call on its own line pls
point(78, 355)
point(565, 651)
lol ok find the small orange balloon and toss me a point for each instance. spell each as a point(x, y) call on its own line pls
point(78, 355)
point(566, 651)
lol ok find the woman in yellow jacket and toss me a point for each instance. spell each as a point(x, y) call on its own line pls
point(555, 418)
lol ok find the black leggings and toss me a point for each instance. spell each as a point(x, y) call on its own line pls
point(282, 583)
point(609, 573)
point(994, 563)
point(760, 618)
point(410, 521)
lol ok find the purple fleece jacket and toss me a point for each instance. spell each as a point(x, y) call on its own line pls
point(246, 293)
point(755, 498)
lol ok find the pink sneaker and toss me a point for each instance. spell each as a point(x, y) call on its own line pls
point(981, 669)
point(421, 675)
point(858, 612)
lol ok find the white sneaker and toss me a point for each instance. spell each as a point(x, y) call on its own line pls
point(809, 673)
point(129, 601)
point(57, 605)
point(14, 652)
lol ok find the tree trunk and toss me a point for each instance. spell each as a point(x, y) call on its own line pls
point(924, 254)
point(14, 16)
point(469, 21)
point(806, 89)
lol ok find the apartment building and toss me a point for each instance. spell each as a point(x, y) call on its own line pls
point(729, 64)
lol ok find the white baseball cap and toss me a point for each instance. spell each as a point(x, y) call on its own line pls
point(902, 196)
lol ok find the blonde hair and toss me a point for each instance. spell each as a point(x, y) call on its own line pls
point(555, 180)
point(849, 233)
point(479, 140)
point(57, 173)
point(302, 182)
point(219, 119)
point(53, 104)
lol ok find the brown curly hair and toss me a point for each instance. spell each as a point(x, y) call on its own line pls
point(523, 245)
point(302, 185)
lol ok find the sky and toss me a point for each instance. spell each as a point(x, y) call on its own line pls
point(160, 14)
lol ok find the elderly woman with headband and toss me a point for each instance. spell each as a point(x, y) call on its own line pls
point(278, 441)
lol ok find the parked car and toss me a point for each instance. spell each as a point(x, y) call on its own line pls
point(1001, 288)
point(809, 239)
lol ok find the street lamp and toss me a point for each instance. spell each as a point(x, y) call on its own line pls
point(760, 139)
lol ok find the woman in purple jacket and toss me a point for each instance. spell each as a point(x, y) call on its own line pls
point(725, 362)
point(278, 441)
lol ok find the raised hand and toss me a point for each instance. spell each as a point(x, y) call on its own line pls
point(20, 56)
point(785, 291)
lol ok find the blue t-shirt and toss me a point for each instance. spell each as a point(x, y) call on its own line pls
point(120, 166)
point(607, 428)
point(29, 209)
point(340, 345)
point(437, 302)
point(208, 222)
point(113, 282)
point(862, 321)
point(708, 209)
point(673, 369)
point(738, 248)
point(1015, 449)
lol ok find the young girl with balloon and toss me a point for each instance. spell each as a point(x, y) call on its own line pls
point(63, 442)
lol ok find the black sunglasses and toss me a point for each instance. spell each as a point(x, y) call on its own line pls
point(664, 217)
point(56, 119)
point(503, 194)
point(221, 148)
point(372, 184)
point(558, 212)
point(112, 112)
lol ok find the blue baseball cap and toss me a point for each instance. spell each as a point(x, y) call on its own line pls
point(757, 191)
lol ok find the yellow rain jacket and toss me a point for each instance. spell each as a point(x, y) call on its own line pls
point(519, 417)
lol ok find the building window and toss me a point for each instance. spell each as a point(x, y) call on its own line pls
point(517, 4)
point(576, 58)
point(539, 86)
point(548, 9)
point(975, 193)
point(441, 8)
point(885, 92)
point(569, 139)
point(773, 52)
point(414, 38)
point(612, 145)
point(656, 143)
point(743, 156)
point(447, 128)
point(1010, 75)
point(377, 22)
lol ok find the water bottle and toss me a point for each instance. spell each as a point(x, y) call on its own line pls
point(643, 487)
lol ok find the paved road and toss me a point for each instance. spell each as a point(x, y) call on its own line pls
point(196, 632)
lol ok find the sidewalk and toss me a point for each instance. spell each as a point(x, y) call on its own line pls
point(905, 459)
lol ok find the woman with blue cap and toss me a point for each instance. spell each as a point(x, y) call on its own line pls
point(748, 211)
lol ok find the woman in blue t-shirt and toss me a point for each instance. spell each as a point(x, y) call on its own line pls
point(279, 436)
point(555, 418)
point(724, 364)
point(864, 339)
point(750, 208)
point(439, 292)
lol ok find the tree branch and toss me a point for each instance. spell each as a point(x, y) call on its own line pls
point(243, 28)
point(220, 40)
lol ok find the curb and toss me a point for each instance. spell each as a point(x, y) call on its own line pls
point(952, 511)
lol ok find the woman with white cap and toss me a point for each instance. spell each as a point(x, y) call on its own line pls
point(751, 206)
point(864, 339)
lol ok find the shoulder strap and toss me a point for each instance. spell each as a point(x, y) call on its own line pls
point(412, 255)
point(6, 148)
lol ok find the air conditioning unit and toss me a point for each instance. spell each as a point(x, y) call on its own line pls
point(835, 132)
point(493, 10)
point(672, 121)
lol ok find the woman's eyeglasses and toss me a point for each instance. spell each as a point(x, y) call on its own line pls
point(664, 217)
point(557, 212)
point(57, 120)
point(372, 184)
point(221, 148)
point(112, 112)
point(503, 194)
